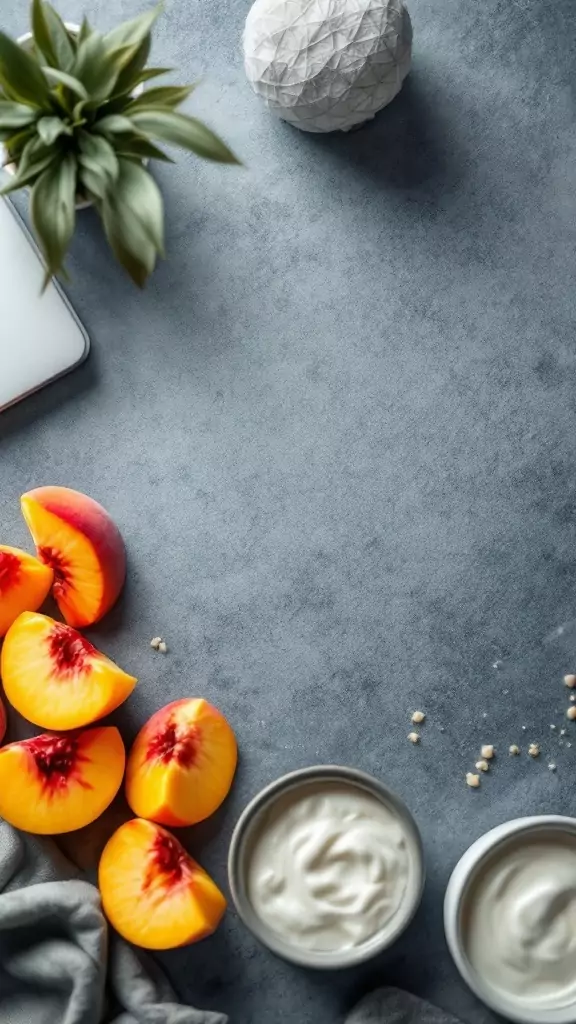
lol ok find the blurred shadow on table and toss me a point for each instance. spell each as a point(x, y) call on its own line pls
point(407, 147)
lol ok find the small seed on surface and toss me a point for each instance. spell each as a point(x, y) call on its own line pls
point(414, 737)
point(155, 642)
point(570, 680)
point(513, 749)
point(472, 780)
point(534, 750)
point(418, 717)
point(523, 728)
point(487, 751)
point(552, 767)
point(562, 732)
point(162, 647)
point(553, 727)
point(482, 766)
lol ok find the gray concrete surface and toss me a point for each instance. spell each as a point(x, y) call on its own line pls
point(337, 432)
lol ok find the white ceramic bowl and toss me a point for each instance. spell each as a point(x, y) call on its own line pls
point(463, 877)
point(238, 860)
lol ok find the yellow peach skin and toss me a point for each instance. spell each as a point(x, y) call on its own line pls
point(56, 678)
point(77, 538)
point(182, 764)
point(3, 722)
point(59, 783)
point(153, 893)
point(24, 584)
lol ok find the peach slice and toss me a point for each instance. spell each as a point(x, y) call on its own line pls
point(153, 893)
point(182, 763)
point(56, 678)
point(24, 584)
point(52, 784)
point(78, 539)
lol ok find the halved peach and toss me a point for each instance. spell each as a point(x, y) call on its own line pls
point(153, 893)
point(54, 783)
point(56, 678)
point(181, 766)
point(76, 537)
point(24, 584)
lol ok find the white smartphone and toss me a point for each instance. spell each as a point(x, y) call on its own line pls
point(41, 337)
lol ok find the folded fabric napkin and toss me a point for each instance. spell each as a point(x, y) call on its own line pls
point(59, 963)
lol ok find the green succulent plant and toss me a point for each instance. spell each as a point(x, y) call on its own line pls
point(77, 124)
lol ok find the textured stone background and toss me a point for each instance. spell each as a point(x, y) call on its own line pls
point(337, 432)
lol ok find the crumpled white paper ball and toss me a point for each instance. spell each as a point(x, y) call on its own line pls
point(326, 65)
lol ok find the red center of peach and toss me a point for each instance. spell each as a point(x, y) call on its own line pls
point(9, 570)
point(60, 566)
point(69, 650)
point(57, 759)
point(173, 744)
point(168, 862)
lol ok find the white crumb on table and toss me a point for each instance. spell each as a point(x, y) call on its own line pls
point(487, 751)
point(418, 717)
point(414, 737)
point(551, 767)
point(571, 713)
point(570, 680)
point(534, 750)
point(482, 766)
point(513, 749)
point(472, 780)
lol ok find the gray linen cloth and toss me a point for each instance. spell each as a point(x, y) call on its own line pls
point(59, 963)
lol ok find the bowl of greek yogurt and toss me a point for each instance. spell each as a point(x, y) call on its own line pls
point(510, 919)
point(326, 867)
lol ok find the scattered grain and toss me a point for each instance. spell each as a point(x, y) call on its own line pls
point(513, 749)
point(418, 717)
point(414, 737)
point(482, 766)
point(551, 767)
point(155, 642)
point(162, 647)
point(534, 750)
point(472, 780)
point(570, 680)
point(571, 713)
point(487, 751)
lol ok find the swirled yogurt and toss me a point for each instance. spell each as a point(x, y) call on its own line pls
point(330, 867)
point(520, 920)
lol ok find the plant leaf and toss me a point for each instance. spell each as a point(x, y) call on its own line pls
point(52, 211)
point(130, 74)
point(16, 115)
point(166, 96)
point(63, 78)
point(128, 241)
point(97, 67)
point(137, 194)
point(41, 33)
point(84, 32)
point(97, 154)
point(51, 128)
point(20, 75)
point(181, 130)
point(15, 143)
point(139, 148)
point(62, 47)
point(94, 181)
point(35, 158)
point(147, 73)
point(112, 124)
point(132, 33)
